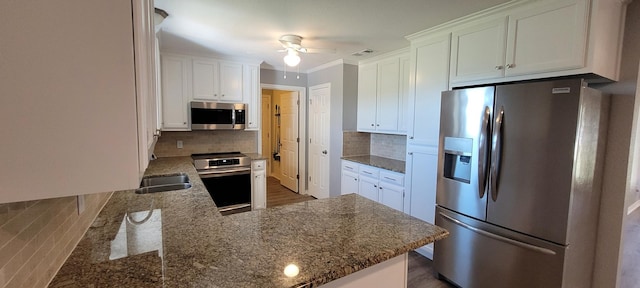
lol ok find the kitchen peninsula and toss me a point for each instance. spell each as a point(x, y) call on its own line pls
point(179, 239)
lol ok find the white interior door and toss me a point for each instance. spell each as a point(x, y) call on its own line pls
point(289, 139)
point(319, 100)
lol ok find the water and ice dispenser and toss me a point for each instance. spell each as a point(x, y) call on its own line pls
point(457, 158)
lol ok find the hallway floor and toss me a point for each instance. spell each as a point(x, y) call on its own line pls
point(279, 195)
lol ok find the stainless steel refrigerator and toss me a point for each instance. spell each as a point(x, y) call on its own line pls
point(519, 177)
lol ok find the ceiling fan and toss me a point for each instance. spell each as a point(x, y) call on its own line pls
point(292, 44)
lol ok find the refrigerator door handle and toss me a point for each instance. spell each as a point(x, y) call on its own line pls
point(496, 153)
point(498, 237)
point(482, 152)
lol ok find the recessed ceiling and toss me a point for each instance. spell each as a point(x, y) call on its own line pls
point(250, 29)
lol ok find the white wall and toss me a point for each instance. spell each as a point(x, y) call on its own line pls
point(616, 186)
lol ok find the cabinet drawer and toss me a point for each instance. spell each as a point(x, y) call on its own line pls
point(349, 166)
point(258, 165)
point(392, 177)
point(369, 171)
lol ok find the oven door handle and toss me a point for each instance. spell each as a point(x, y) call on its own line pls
point(223, 173)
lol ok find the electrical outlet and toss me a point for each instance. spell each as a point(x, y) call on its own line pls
point(179, 144)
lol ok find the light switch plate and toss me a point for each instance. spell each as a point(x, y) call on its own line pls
point(179, 144)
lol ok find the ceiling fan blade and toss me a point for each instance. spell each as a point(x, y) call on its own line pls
point(320, 50)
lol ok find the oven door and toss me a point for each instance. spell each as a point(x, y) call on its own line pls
point(230, 188)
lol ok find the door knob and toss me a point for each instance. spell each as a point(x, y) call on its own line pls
point(324, 152)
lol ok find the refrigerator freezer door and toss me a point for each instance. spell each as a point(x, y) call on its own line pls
point(536, 143)
point(477, 254)
point(465, 120)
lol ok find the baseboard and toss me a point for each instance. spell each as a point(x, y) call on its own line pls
point(426, 251)
point(633, 207)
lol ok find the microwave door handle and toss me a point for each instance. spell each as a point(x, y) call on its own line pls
point(496, 154)
point(482, 152)
point(233, 118)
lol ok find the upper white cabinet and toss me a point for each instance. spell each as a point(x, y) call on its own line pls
point(382, 94)
point(430, 71)
point(536, 40)
point(68, 104)
point(186, 78)
point(478, 51)
point(252, 96)
point(217, 80)
point(176, 89)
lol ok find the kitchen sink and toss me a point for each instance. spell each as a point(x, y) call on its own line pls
point(153, 184)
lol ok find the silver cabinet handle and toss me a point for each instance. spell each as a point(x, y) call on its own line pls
point(410, 137)
point(365, 172)
point(499, 67)
point(498, 237)
point(380, 187)
point(496, 154)
point(410, 153)
point(482, 152)
point(185, 123)
point(324, 152)
point(389, 178)
point(509, 66)
point(372, 125)
point(377, 124)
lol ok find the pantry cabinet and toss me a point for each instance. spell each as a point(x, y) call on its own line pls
point(258, 184)
point(252, 95)
point(382, 94)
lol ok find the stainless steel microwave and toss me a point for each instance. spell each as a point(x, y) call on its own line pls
point(217, 116)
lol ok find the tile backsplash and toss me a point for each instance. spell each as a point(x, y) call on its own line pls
point(206, 142)
point(36, 237)
point(383, 145)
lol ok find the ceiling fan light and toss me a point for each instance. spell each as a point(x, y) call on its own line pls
point(292, 59)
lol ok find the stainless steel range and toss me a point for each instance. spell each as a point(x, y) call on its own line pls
point(227, 177)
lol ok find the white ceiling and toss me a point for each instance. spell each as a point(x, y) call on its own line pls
point(250, 29)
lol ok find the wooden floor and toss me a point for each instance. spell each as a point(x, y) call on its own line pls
point(279, 195)
point(420, 268)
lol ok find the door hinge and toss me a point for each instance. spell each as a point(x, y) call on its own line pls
point(309, 178)
point(309, 140)
point(298, 176)
point(297, 102)
point(298, 140)
point(310, 102)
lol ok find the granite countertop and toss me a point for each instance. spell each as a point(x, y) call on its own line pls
point(179, 239)
point(377, 161)
point(255, 156)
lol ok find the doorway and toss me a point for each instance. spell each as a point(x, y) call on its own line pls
point(282, 138)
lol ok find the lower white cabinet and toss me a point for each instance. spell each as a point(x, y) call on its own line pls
point(258, 184)
point(421, 173)
point(377, 184)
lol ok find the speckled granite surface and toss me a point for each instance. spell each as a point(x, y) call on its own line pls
point(255, 156)
point(178, 239)
point(377, 161)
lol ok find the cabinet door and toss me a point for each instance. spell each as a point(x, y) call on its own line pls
point(368, 187)
point(259, 189)
point(175, 93)
point(403, 94)
point(230, 81)
point(367, 86)
point(387, 95)
point(252, 96)
point(392, 196)
point(430, 78)
point(205, 80)
point(478, 51)
point(349, 183)
point(547, 38)
point(421, 176)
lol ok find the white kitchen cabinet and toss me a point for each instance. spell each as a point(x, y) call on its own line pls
point(478, 50)
point(68, 99)
point(368, 187)
point(258, 184)
point(430, 74)
point(367, 95)
point(381, 94)
point(252, 95)
point(537, 39)
point(349, 180)
point(215, 80)
point(421, 175)
point(391, 186)
point(176, 89)
point(380, 185)
point(405, 65)
point(547, 38)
